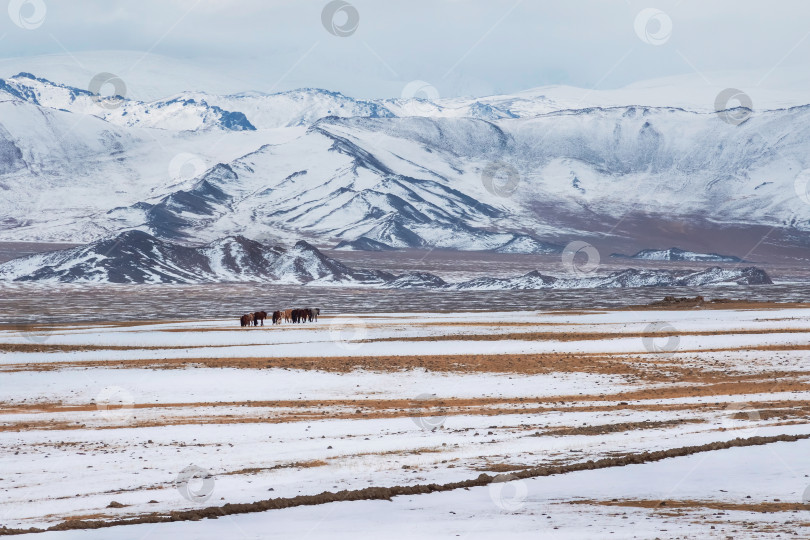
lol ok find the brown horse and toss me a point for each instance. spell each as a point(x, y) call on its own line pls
point(246, 320)
point(277, 316)
point(288, 315)
point(259, 316)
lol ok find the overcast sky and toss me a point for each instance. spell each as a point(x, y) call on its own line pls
point(461, 47)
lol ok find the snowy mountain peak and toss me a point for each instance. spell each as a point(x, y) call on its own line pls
point(335, 169)
point(175, 114)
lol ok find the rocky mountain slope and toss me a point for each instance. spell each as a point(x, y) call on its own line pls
point(625, 278)
point(510, 174)
point(137, 257)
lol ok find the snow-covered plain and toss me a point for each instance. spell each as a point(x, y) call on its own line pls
point(545, 507)
point(103, 413)
point(346, 335)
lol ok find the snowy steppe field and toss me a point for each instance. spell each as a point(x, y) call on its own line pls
point(605, 424)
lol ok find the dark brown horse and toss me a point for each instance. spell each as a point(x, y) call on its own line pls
point(246, 320)
point(277, 316)
point(300, 315)
point(259, 316)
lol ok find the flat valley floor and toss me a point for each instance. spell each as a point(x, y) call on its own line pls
point(631, 423)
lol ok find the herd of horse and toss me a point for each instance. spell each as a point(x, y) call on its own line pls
point(287, 315)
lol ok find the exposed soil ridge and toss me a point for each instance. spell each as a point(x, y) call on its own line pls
point(386, 493)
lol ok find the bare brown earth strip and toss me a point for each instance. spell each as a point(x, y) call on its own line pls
point(616, 428)
point(387, 493)
point(487, 363)
point(407, 406)
point(650, 368)
point(54, 348)
point(490, 363)
point(295, 465)
point(587, 336)
point(531, 363)
point(517, 336)
point(780, 347)
point(494, 322)
point(763, 507)
point(724, 304)
point(722, 388)
point(297, 411)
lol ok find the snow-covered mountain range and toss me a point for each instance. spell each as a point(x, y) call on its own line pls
point(180, 113)
point(630, 277)
point(676, 254)
point(137, 257)
point(524, 173)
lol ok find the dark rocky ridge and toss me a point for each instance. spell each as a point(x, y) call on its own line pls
point(364, 244)
point(138, 257)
